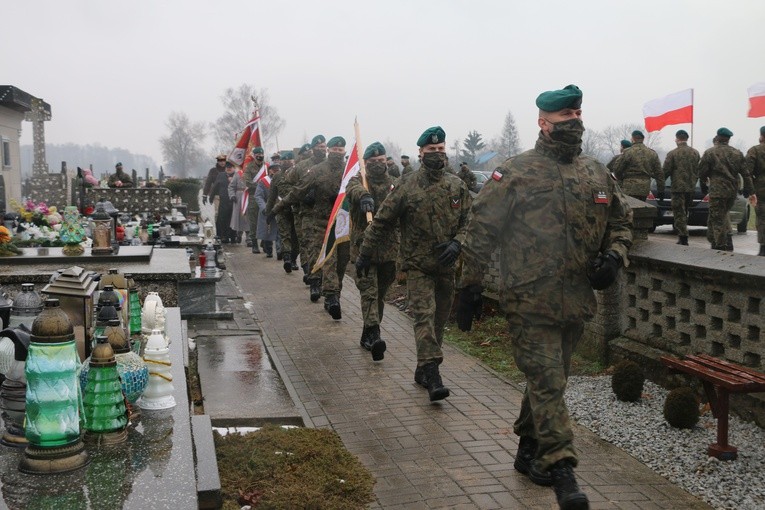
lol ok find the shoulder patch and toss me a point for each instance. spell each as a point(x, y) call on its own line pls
point(497, 174)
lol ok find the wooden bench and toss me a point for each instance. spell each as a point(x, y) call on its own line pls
point(720, 378)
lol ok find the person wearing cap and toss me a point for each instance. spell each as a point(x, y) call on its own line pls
point(374, 284)
point(285, 222)
point(267, 230)
point(393, 169)
point(430, 207)
point(719, 171)
point(212, 175)
point(623, 145)
point(120, 179)
point(636, 167)
point(563, 228)
point(755, 167)
point(251, 171)
point(239, 220)
point(406, 166)
point(317, 190)
point(302, 208)
point(219, 190)
point(682, 167)
point(467, 177)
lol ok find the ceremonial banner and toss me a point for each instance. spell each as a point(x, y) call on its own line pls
point(339, 224)
point(757, 100)
point(262, 175)
point(249, 138)
point(675, 108)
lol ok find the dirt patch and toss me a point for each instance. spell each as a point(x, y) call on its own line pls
point(195, 387)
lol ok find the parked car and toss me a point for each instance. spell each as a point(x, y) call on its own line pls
point(480, 179)
point(698, 213)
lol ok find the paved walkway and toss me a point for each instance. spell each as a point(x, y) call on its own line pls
point(454, 454)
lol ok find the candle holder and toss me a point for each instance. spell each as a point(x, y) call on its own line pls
point(159, 392)
point(14, 345)
point(103, 402)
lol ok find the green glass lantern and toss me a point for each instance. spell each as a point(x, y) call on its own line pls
point(135, 320)
point(103, 402)
point(52, 419)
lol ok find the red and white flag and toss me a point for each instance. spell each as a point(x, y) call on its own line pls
point(250, 137)
point(263, 176)
point(757, 100)
point(675, 108)
point(339, 224)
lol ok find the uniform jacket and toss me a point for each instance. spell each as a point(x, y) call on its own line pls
point(550, 216)
point(379, 188)
point(429, 212)
point(755, 167)
point(635, 169)
point(682, 166)
point(722, 165)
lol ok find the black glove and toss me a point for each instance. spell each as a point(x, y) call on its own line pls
point(451, 250)
point(310, 198)
point(363, 262)
point(604, 269)
point(367, 204)
point(660, 195)
point(204, 199)
point(469, 306)
point(745, 193)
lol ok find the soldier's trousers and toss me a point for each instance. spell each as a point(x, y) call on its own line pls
point(430, 301)
point(543, 354)
point(372, 289)
point(718, 225)
point(760, 211)
point(297, 220)
point(252, 216)
point(680, 204)
point(310, 242)
point(285, 223)
point(333, 270)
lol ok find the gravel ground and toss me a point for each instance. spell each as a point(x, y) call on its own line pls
point(680, 456)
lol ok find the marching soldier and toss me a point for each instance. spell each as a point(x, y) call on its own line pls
point(636, 167)
point(682, 167)
point(755, 167)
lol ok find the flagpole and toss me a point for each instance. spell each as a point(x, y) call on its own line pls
point(692, 106)
point(360, 154)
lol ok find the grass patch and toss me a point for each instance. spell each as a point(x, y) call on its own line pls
point(490, 342)
point(291, 468)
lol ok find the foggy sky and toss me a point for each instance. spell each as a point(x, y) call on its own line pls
point(113, 72)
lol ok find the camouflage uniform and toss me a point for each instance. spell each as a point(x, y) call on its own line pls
point(722, 164)
point(407, 169)
point(755, 167)
point(430, 210)
point(285, 221)
point(551, 213)
point(682, 167)
point(393, 170)
point(468, 178)
point(121, 176)
point(635, 169)
point(612, 164)
point(382, 273)
point(250, 172)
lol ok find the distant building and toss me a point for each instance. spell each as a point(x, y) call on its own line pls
point(14, 104)
point(488, 161)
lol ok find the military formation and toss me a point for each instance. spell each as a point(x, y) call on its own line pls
point(561, 221)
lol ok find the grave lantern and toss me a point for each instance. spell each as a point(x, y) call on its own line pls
point(14, 344)
point(159, 392)
point(104, 405)
point(5, 308)
point(101, 231)
point(74, 288)
point(52, 417)
point(26, 306)
point(208, 231)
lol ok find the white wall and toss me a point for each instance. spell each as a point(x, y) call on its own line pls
point(10, 124)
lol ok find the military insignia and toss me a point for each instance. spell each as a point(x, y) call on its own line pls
point(600, 197)
point(456, 202)
point(434, 138)
point(496, 175)
point(392, 186)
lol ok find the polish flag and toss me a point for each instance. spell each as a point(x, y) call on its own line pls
point(757, 100)
point(675, 108)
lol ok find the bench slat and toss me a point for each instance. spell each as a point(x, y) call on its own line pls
point(731, 382)
point(742, 371)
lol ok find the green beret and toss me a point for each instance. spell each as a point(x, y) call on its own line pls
point(681, 134)
point(304, 148)
point(375, 149)
point(336, 141)
point(288, 155)
point(118, 164)
point(569, 96)
point(724, 132)
point(317, 140)
point(762, 130)
point(257, 150)
point(275, 164)
point(626, 144)
point(432, 136)
point(404, 156)
point(638, 134)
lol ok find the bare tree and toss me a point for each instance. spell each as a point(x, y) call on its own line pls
point(238, 108)
point(614, 134)
point(593, 145)
point(392, 149)
point(509, 143)
point(182, 148)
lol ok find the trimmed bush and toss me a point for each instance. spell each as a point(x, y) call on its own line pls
point(187, 188)
point(627, 381)
point(681, 409)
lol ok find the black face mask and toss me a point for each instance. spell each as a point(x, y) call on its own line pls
point(568, 131)
point(376, 168)
point(336, 159)
point(434, 160)
point(259, 159)
point(318, 155)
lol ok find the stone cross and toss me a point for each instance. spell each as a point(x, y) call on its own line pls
point(37, 115)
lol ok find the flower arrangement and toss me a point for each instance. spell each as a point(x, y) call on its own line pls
point(38, 225)
point(7, 248)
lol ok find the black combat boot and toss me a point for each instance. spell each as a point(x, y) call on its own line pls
point(295, 266)
point(279, 255)
point(364, 342)
point(566, 489)
point(682, 240)
point(419, 377)
point(268, 247)
point(332, 305)
point(762, 250)
point(377, 344)
point(436, 388)
point(314, 290)
point(249, 241)
point(287, 258)
point(524, 462)
point(729, 245)
point(305, 274)
point(255, 248)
